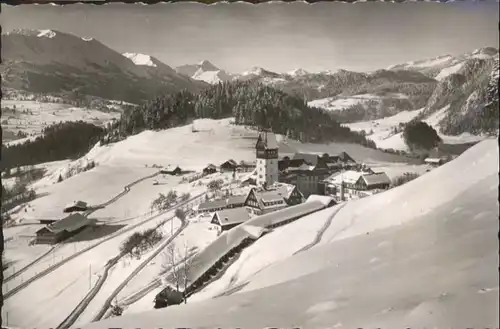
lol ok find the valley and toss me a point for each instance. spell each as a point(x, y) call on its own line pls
point(154, 174)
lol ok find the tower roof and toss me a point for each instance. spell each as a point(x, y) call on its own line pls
point(267, 141)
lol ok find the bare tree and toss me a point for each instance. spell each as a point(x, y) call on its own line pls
point(177, 266)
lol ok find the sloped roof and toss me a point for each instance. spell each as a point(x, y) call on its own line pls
point(326, 200)
point(269, 140)
point(376, 179)
point(283, 189)
point(230, 162)
point(232, 216)
point(210, 165)
point(69, 223)
point(221, 203)
point(310, 158)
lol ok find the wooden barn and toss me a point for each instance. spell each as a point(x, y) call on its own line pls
point(62, 229)
point(76, 206)
point(210, 169)
point(229, 166)
point(171, 170)
point(229, 218)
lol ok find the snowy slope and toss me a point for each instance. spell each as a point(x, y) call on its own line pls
point(433, 264)
point(140, 59)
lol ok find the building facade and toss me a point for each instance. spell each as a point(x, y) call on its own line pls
point(267, 159)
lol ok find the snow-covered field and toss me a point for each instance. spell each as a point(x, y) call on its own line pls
point(342, 103)
point(420, 255)
point(381, 130)
point(32, 116)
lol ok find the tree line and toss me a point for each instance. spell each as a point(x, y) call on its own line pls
point(251, 103)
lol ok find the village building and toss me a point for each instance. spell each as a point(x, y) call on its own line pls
point(62, 229)
point(75, 206)
point(267, 159)
point(229, 218)
point(229, 166)
point(245, 166)
point(308, 170)
point(352, 184)
point(235, 201)
point(210, 169)
point(273, 197)
point(434, 162)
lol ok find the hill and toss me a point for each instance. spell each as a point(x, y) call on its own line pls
point(352, 275)
point(47, 61)
point(249, 103)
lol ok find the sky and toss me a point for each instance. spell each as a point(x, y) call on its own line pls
point(277, 36)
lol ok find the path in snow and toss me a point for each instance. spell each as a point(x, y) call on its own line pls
point(321, 232)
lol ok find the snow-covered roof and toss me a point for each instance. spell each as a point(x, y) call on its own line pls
point(433, 160)
point(232, 216)
point(216, 204)
point(326, 200)
point(70, 223)
point(232, 238)
point(349, 177)
point(376, 179)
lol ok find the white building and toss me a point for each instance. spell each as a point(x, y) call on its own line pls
point(267, 159)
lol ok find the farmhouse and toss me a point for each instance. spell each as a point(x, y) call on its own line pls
point(62, 229)
point(75, 206)
point(171, 170)
point(229, 166)
point(229, 218)
point(210, 169)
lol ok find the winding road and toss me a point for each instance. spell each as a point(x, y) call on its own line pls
point(126, 189)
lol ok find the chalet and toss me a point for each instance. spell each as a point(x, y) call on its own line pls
point(229, 218)
point(234, 201)
point(229, 166)
point(171, 170)
point(62, 229)
point(274, 197)
point(306, 177)
point(75, 206)
point(167, 297)
point(210, 169)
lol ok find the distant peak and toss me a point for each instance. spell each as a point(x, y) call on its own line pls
point(254, 70)
point(298, 72)
point(46, 33)
point(205, 65)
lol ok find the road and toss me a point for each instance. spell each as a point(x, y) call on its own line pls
point(80, 308)
point(126, 189)
point(112, 236)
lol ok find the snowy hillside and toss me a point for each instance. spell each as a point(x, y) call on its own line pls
point(433, 262)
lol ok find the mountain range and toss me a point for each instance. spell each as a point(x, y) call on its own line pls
point(461, 89)
point(49, 61)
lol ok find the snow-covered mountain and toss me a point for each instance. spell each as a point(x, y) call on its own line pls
point(50, 61)
point(442, 66)
point(204, 71)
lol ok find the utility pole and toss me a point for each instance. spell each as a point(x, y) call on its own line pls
point(90, 276)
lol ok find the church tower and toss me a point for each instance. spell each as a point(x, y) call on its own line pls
point(267, 159)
